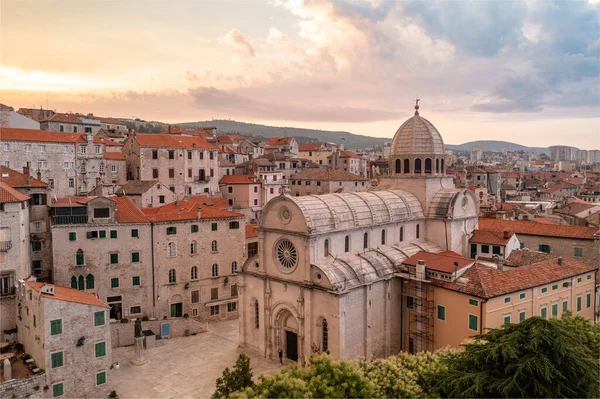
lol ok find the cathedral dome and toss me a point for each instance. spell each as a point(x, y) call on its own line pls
point(417, 149)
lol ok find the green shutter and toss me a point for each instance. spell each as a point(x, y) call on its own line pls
point(522, 295)
point(34, 321)
point(89, 234)
point(72, 237)
point(55, 327)
point(555, 310)
point(544, 290)
point(99, 318)
point(57, 359)
point(579, 304)
point(74, 282)
point(134, 233)
point(473, 322)
point(101, 378)
point(79, 259)
point(114, 259)
point(507, 299)
point(135, 257)
point(102, 234)
point(57, 390)
point(473, 302)
point(507, 319)
point(194, 228)
point(113, 234)
point(114, 282)
point(213, 227)
point(100, 349)
point(441, 312)
point(588, 300)
point(544, 313)
point(521, 316)
point(565, 306)
point(135, 280)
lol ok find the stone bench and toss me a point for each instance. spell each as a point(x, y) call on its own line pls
point(29, 361)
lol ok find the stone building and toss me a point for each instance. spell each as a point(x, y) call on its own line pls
point(187, 164)
point(488, 244)
point(10, 118)
point(71, 163)
point(40, 236)
point(58, 122)
point(198, 251)
point(324, 276)
point(146, 193)
point(284, 145)
point(243, 193)
point(349, 161)
point(316, 181)
point(14, 250)
point(67, 334)
point(318, 152)
point(103, 245)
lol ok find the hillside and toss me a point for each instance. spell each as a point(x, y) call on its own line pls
point(493, 145)
point(350, 140)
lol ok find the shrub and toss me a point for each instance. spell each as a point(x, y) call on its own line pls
point(145, 318)
point(19, 347)
point(124, 320)
point(185, 315)
point(112, 394)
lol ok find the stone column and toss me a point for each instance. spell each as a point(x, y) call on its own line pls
point(139, 352)
point(7, 370)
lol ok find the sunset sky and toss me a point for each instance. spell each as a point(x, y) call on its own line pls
point(527, 72)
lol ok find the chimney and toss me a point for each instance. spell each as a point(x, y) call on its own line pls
point(39, 174)
point(26, 170)
point(506, 234)
point(500, 263)
point(199, 210)
point(560, 260)
point(421, 270)
point(169, 129)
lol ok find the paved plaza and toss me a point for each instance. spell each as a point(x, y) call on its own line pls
point(184, 367)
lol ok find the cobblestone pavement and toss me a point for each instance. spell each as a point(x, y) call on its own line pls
point(184, 367)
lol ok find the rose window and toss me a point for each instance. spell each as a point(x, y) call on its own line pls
point(286, 254)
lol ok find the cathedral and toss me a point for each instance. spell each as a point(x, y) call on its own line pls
point(326, 276)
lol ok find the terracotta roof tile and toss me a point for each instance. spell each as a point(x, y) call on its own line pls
point(166, 140)
point(275, 141)
point(109, 120)
point(349, 154)
point(251, 231)
point(186, 210)
point(136, 187)
point(204, 200)
point(491, 237)
point(442, 262)
point(487, 282)
point(127, 212)
point(14, 134)
point(9, 194)
point(538, 229)
point(238, 179)
point(327, 175)
point(19, 180)
point(576, 208)
point(114, 155)
point(524, 257)
point(310, 147)
point(67, 294)
point(560, 186)
point(66, 118)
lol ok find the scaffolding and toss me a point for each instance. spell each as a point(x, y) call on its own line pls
point(418, 307)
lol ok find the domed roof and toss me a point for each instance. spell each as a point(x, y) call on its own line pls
point(417, 136)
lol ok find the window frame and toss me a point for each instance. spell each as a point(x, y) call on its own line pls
point(62, 359)
point(476, 319)
point(441, 308)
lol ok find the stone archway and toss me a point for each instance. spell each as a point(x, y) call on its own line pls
point(287, 335)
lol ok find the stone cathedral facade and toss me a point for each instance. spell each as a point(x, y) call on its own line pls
point(326, 275)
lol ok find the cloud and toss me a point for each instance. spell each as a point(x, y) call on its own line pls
point(237, 39)
point(514, 93)
point(236, 106)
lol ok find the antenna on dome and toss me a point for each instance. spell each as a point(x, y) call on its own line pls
point(417, 105)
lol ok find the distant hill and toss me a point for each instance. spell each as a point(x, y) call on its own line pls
point(350, 140)
point(493, 145)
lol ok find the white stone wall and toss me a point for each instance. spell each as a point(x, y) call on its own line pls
point(328, 187)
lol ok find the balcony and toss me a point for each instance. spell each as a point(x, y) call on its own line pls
point(5, 245)
point(71, 219)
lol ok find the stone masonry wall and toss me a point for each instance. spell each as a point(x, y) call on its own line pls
point(122, 333)
point(30, 387)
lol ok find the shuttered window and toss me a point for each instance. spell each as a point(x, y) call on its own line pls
point(56, 327)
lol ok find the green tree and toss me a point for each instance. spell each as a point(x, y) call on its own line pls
point(236, 380)
point(536, 358)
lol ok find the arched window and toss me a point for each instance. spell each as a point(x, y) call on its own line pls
point(428, 165)
point(214, 246)
point(326, 247)
point(418, 231)
point(437, 165)
point(256, 314)
point(418, 165)
point(194, 273)
point(325, 336)
point(80, 283)
point(74, 282)
point(234, 267)
point(172, 276)
point(407, 166)
point(401, 234)
point(79, 257)
point(89, 282)
point(215, 270)
point(382, 237)
point(366, 240)
point(171, 249)
point(347, 244)
point(442, 166)
point(193, 247)
point(398, 164)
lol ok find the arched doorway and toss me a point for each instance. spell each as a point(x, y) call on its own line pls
point(286, 330)
point(176, 306)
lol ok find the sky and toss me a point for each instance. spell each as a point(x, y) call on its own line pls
point(520, 71)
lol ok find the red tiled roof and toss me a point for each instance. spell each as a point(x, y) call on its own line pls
point(66, 118)
point(327, 175)
point(238, 179)
point(524, 257)
point(19, 180)
point(105, 141)
point(127, 212)
point(14, 134)
point(275, 141)
point(310, 147)
point(110, 121)
point(251, 231)
point(348, 154)
point(487, 282)
point(545, 220)
point(560, 186)
point(67, 294)
point(114, 155)
point(442, 262)
point(167, 140)
point(491, 237)
point(575, 208)
point(186, 210)
point(204, 200)
point(9, 194)
point(71, 201)
point(538, 229)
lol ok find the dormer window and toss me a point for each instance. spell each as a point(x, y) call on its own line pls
point(101, 212)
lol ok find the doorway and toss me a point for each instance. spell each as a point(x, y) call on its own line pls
point(115, 304)
point(177, 309)
point(291, 345)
